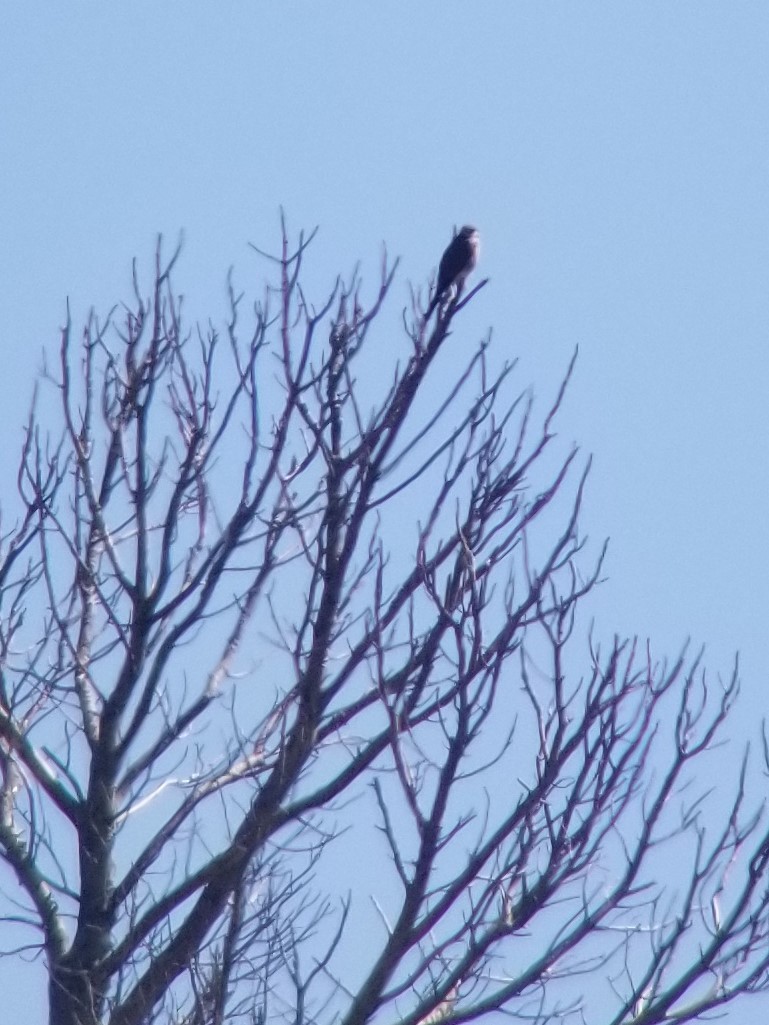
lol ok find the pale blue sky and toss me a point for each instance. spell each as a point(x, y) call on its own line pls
point(614, 155)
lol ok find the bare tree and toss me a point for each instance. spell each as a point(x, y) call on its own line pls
point(292, 725)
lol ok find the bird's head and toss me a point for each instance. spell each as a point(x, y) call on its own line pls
point(468, 231)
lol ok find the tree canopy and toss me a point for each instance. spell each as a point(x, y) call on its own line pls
point(299, 719)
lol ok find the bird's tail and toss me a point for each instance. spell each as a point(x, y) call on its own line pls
point(433, 303)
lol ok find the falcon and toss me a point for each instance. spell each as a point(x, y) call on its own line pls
point(456, 263)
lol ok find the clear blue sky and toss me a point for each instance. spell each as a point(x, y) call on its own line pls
point(614, 155)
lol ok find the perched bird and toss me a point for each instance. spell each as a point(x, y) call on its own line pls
point(456, 263)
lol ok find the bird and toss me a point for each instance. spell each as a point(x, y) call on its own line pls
point(456, 263)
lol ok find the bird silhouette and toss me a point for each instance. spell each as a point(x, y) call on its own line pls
point(457, 262)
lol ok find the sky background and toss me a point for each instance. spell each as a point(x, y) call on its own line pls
point(615, 157)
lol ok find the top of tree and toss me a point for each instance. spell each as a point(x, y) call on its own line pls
point(267, 607)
